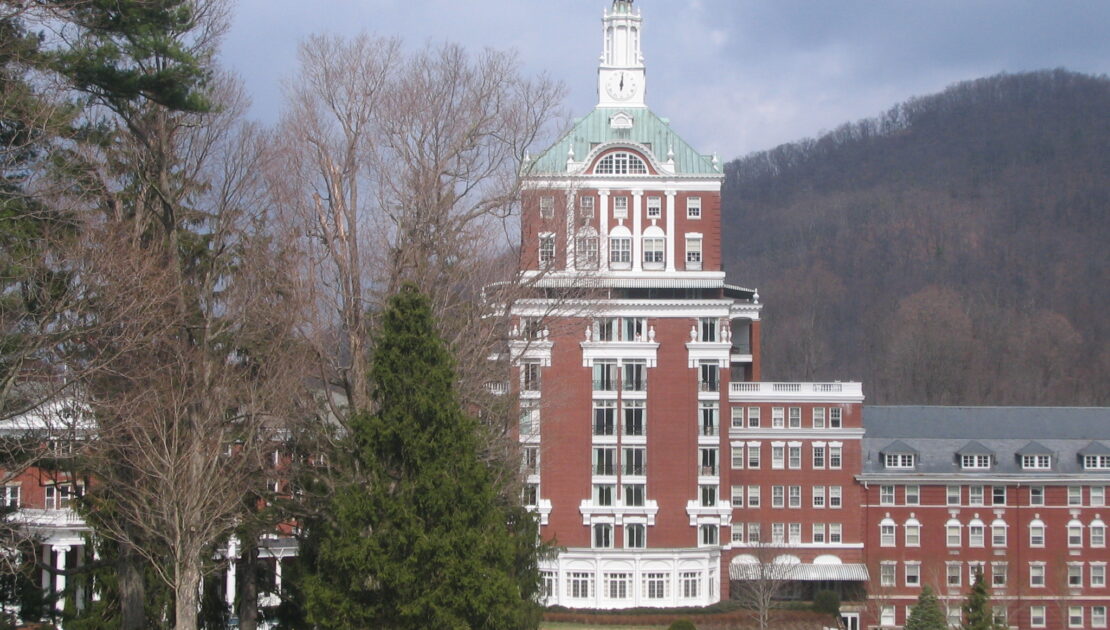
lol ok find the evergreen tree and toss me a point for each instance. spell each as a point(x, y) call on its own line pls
point(978, 613)
point(418, 535)
point(927, 614)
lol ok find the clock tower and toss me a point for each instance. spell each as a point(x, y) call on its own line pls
point(621, 75)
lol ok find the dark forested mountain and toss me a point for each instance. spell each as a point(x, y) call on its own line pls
point(952, 250)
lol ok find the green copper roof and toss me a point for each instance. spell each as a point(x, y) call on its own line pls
point(647, 129)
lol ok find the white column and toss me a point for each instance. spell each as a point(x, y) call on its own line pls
point(277, 575)
point(232, 555)
point(603, 228)
point(637, 242)
point(572, 229)
point(670, 230)
point(60, 578)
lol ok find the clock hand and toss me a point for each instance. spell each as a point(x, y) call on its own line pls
point(622, 82)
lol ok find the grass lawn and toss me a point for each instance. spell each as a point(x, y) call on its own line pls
point(553, 625)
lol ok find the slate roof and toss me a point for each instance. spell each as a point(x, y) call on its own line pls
point(938, 434)
point(647, 129)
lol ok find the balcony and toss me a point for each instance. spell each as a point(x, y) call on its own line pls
point(707, 471)
point(605, 385)
point(605, 428)
point(709, 430)
point(635, 384)
point(836, 391)
point(605, 469)
point(632, 469)
point(709, 386)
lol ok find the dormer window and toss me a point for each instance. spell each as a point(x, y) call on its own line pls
point(1036, 462)
point(899, 460)
point(621, 163)
point(1096, 462)
point(975, 462)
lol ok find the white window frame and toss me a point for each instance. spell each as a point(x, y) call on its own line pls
point(693, 252)
point(654, 207)
point(693, 208)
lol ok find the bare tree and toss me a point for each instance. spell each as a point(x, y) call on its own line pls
point(764, 574)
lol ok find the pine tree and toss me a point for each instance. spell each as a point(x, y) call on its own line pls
point(927, 614)
point(418, 536)
point(978, 613)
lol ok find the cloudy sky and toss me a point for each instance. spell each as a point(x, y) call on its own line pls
point(734, 76)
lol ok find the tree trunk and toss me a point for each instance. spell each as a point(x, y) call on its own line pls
point(132, 592)
point(186, 596)
point(248, 584)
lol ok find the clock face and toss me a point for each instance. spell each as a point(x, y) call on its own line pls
point(621, 85)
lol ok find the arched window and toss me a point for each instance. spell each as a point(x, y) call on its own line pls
point(655, 248)
point(621, 163)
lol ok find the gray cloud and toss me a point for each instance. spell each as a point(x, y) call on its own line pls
point(732, 75)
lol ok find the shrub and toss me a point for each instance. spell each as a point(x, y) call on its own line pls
point(682, 624)
point(826, 602)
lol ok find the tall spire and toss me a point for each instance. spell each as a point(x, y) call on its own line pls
point(621, 73)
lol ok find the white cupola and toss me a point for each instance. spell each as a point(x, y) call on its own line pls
point(621, 74)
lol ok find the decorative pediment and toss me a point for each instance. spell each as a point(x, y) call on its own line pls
point(621, 120)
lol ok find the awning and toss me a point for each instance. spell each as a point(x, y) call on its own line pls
point(800, 572)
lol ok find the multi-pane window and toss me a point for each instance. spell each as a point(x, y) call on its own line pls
point(998, 534)
point(836, 535)
point(1075, 574)
point(778, 456)
point(818, 533)
point(1096, 462)
point(778, 496)
point(633, 417)
point(818, 417)
point(710, 373)
point(621, 163)
point(654, 207)
point(953, 534)
point(586, 251)
point(1037, 616)
point(998, 495)
point(818, 496)
point(1098, 496)
point(952, 495)
point(603, 536)
point(604, 460)
point(605, 418)
point(691, 581)
point(818, 457)
point(620, 251)
point(617, 585)
point(794, 454)
point(1075, 616)
point(654, 252)
point(1036, 574)
point(778, 533)
point(913, 495)
point(693, 252)
point(975, 462)
point(605, 376)
point(737, 496)
point(1097, 532)
point(1036, 495)
point(778, 417)
point(530, 494)
point(999, 574)
point(886, 495)
point(693, 207)
point(913, 574)
point(794, 533)
point(11, 497)
point(738, 457)
point(708, 495)
point(1098, 574)
point(835, 415)
point(753, 532)
point(899, 460)
point(547, 249)
point(530, 460)
point(634, 376)
point(886, 615)
point(888, 573)
point(795, 497)
point(954, 573)
point(975, 495)
point(620, 207)
point(708, 457)
point(753, 496)
point(1075, 534)
point(634, 461)
point(1036, 534)
point(655, 585)
point(795, 418)
point(635, 536)
point(634, 494)
point(834, 496)
point(708, 413)
point(586, 207)
point(547, 207)
point(530, 377)
point(976, 535)
point(1098, 616)
point(887, 534)
point(913, 534)
point(737, 414)
point(835, 457)
point(753, 456)
point(529, 420)
point(1036, 462)
point(737, 531)
point(580, 585)
point(753, 417)
point(708, 329)
point(1075, 495)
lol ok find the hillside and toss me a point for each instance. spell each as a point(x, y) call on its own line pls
point(952, 250)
